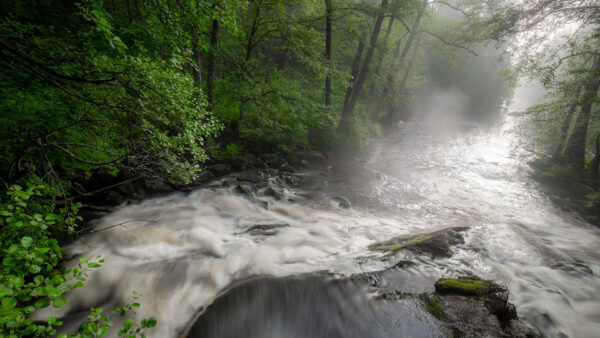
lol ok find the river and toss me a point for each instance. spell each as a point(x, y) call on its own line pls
point(179, 251)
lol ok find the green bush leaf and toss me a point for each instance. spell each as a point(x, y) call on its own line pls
point(26, 241)
point(9, 261)
point(59, 301)
point(42, 303)
point(9, 303)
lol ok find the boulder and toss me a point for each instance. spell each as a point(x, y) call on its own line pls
point(474, 307)
point(435, 244)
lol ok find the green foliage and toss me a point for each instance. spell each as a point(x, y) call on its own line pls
point(30, 275)
point(98, 323)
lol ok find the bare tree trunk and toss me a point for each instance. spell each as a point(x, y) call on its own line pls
point(575, 149)
point(210, 81)
point(349, 108)
point(328, 14)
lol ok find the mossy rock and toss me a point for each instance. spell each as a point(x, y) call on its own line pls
point(433, 305)
point(435, 244)
point(270, 191)
point(242, 189)
point(466, 286)
point(343, 202)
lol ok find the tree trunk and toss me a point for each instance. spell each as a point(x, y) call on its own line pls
point(596, 161)
point(391, 76)
point(328, 14)
point(564, 129)
point(349, 108)
point(253, 30)
point(210, 80)
point(381, 58)
point(197, 56)
point(575, 149)
point(355, 65)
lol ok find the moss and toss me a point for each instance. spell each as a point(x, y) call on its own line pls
point(399, 246)
point(558, 266)
point(465, 286)
point(226, 183)
point(244, 190)
point(433, 305)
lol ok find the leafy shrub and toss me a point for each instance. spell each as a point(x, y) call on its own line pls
point(30, 274)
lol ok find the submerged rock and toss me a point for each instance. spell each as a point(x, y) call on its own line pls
point(435, 244)
point(573, 268)
point(343, 202)
point(265, 229)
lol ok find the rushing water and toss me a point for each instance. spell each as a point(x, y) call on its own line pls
point(181, 250)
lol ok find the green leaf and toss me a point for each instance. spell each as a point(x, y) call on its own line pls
point(39, 279)
point(51, 217)
point(8, 303)
point(59, 301)
point(83, 259)
point(4, 291)
point(26, 241)
point(151, 322)
point(5, 213)
point(42, 303)
point(9, 261)
point(128, 324)
point(34, 268)
point(93, 265)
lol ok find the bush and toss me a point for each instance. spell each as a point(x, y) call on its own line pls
point(30, 274)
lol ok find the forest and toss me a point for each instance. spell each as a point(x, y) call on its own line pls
point(106, 104)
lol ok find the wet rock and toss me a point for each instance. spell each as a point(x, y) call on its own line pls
point(253, 175)
point(291, 180)
point(312, 157)
point(263, 204)
point(435, 244)
point(242, 189)
point(265, 229)
point(205, 176)
point(343, 202)
point(226, 183)
point(114, 197)
point(156, 184)
point(574, 268)
point(287, 168)
point(474, 307)
point(220, 169)
point(271, 191)
point(359, 303)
